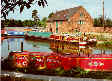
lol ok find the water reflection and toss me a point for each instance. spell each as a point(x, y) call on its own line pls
point(55, 58)
point(14, 44)
point(75, 49)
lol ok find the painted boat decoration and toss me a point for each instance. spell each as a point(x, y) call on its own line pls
point(71, 38)
point(38, 59)
point(98, 62)
point(82, 41)
point(19, 59)
point(68, 61)
point(53, 61)
point(43, 60)
point(52, 37)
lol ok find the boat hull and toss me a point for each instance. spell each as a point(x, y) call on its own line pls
point(44, 60)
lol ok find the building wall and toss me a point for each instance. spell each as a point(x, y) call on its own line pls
point(73, 23)
point(86, 21)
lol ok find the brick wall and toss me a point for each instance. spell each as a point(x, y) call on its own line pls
point(72, 23)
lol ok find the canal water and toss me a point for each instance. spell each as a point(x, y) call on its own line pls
point(14, 44)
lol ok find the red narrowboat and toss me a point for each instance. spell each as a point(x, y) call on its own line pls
point(96, 62)
point(39, 59)
point(69, 39)
point(83, 43)
point(52, 37)
point(53, 61)
point(57, 37)
point(68, 61)
point(42, 60)
point(19, 59)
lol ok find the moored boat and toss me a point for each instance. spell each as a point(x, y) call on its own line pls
point(15, 33)
point(19, 59)
point(96, 62)
point(67, 61)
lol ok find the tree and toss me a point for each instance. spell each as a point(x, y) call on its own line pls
point(2, 24)
point(50, 15)
point(44, 20)
point(34, 16)
point(18, 23)
point(10, 5)
point(98, 22)
point(28, 23)
point(108, 23)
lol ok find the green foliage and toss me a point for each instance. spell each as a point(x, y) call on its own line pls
point(12, 23)
point(106, 44)
point(50, 15)
point(28, 23)
point(44, 20)
point(34, 13)
point(10, 5)
point(98, 22)
point(108, 23)
point(35, 17)
point(17, 23)
point(100, 38)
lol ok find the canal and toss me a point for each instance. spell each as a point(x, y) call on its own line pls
point(14, 44)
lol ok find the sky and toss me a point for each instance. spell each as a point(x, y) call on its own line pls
point(94, 8)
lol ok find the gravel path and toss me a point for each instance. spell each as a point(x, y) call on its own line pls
point(45, 77)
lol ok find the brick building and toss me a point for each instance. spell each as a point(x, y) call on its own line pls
point(70, 20)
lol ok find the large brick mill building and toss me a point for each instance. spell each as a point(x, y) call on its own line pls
point(70, 20)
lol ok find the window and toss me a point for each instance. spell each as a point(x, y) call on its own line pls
point(81, 14)
point(80, 22)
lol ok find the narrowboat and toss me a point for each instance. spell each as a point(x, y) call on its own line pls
point(3, 32)
point(52, 37)
point(95, 62)
point(19, 59)
point(15, 33)
point(53, 61)
point(38, 59)
point(67, 61)
point(81, 40)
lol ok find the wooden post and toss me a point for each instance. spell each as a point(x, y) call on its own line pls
point(21, 46)
point(8, 45)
